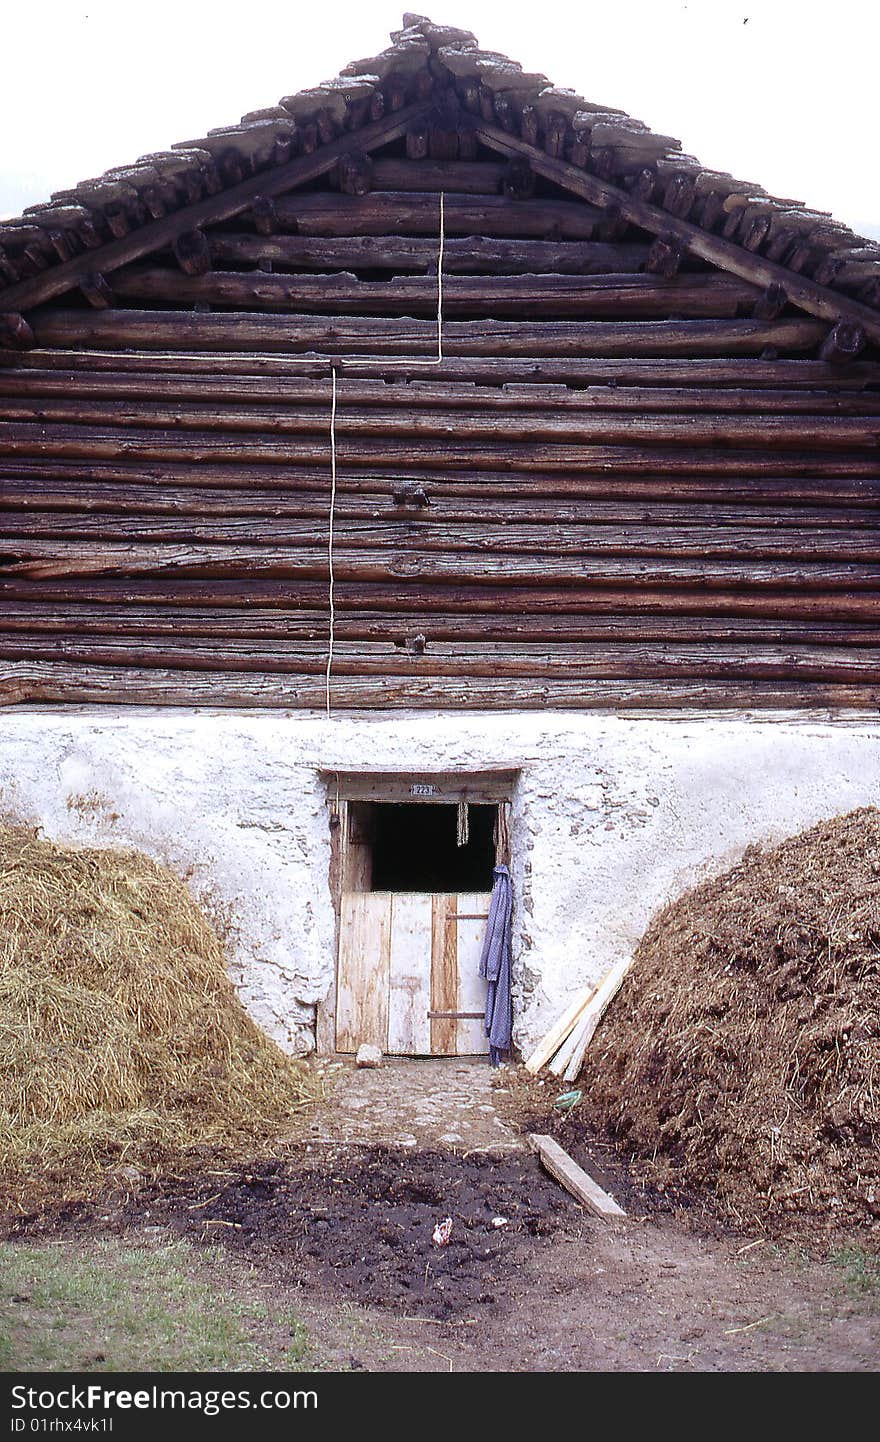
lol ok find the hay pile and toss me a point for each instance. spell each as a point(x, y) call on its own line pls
point(742, 1058)
point(122, 1039)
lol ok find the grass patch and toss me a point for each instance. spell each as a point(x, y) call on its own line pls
point(861, 1272)
point(107, 1307)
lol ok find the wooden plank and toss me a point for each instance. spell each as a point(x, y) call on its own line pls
point(403, 598)
point(362, 981)
point(412, 213)
point(23, 443)
point(409, 1028)
point(50, 504)
point(570, 1046)
point(475, 254)
point(48, 559)
point(584, 425)
point(595, 296)
point(530, 660)
point(561, 1029)
point(456, 177)
point(575, 1180)
point(444, 973)
point(441, 532)
point(39, 616)
point(605, 993)
point(618, 474)
point(407, 336)
point(686, 372)
point(58, 681)
point(471, 915)
point(356, 391)
point(488, 786)
point(227, 203)
point(815, 299)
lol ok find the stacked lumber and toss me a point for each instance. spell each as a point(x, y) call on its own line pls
point(563, 1048)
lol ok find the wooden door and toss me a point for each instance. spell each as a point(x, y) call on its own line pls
point(408, 969)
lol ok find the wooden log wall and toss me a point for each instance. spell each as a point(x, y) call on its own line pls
point(632, 481)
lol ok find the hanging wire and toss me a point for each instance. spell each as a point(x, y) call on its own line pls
point(331, 584)
point(440, 281)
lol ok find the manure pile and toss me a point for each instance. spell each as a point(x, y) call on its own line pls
point(122, 1040)
point(742, 1058)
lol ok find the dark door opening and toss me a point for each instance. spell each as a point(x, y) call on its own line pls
point(414, 846)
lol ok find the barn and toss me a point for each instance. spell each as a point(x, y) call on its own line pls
point(434, 469)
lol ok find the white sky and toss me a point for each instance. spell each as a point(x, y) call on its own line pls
point(788, 99)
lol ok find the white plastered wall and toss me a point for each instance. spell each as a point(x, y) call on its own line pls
point(612, 817)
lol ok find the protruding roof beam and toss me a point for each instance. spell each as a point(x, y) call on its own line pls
point(158, 234)
point(801, 291)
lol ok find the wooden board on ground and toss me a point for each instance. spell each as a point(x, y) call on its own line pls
point(575, 1180)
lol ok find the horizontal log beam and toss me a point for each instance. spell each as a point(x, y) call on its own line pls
point(48, 559)
point(60, 682)
point(583, 426)
point(81, 441)
point(598, 661)
point(407, 596)
point(477, 254)
point(492, 536)
point(334, 335)
point(486, 370)
point(396, 212)
point(618, 474)
point(33, 498)
point(458, 177)
point(233, 200)
point(607, 297)
point(352, 389)
point(244, 624)
point(815, 299)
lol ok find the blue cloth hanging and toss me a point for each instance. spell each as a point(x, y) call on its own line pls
point(495, 966)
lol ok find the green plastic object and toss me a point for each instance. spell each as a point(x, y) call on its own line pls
point(566, 1100)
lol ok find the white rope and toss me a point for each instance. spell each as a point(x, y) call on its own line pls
point(331, 585)
point(440, 283)
point(405, 361)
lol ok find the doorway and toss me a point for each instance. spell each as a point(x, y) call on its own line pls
point(413, 871)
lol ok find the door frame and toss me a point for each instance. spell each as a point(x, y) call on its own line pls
point(489, 786)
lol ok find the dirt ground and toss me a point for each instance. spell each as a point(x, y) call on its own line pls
point(342, 1235)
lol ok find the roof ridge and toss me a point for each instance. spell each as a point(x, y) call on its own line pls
point(423, 59)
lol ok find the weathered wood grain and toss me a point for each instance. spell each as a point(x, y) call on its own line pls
point(47, 559)
point(477, 254)
point(475, 602)
point(606, 660)
point(682, 371)
point(119, 619)
point(491, 534)
point(444, 973)
point(353, 390)
point(609, 297)
point(363, 970)
point(60, 682)
point(404, 336)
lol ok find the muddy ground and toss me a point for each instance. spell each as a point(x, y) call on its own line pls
point(344, 1237)
point(338, 1228)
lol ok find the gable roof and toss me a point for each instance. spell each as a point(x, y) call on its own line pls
point(599, 153)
